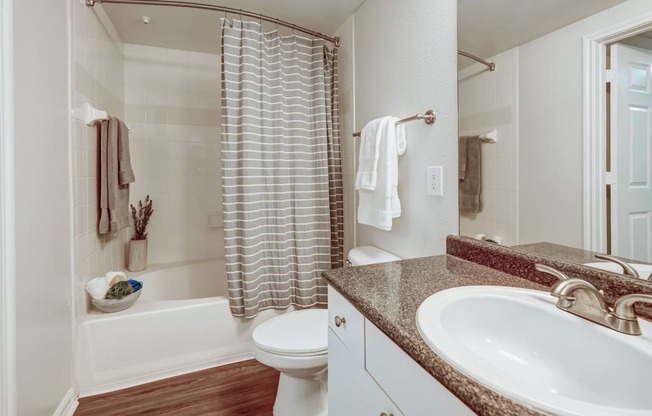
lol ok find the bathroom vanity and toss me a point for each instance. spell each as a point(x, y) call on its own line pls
point(378, 362)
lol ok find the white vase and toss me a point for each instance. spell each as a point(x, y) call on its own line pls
point(137, 255)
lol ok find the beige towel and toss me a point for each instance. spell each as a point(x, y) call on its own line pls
point(114, 198)
point(470, 171)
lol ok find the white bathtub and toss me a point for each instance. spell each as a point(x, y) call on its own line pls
point(181, 323)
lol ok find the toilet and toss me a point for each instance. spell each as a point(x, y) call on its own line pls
point(296, 344)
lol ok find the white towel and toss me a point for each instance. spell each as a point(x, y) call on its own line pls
point(370, 138)
point(379, 206)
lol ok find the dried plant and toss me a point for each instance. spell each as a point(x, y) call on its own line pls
point(141, 218)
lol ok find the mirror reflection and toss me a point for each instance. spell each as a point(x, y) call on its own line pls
point(523, 159)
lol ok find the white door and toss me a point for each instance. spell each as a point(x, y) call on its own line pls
point(631, 153)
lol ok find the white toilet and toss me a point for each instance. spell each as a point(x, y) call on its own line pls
point(296, 344)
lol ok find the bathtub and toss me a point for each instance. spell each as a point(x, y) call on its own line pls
point(181, 323)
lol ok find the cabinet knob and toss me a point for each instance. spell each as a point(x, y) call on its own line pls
point(339, 321)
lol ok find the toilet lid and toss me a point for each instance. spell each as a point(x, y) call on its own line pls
point(295, 333)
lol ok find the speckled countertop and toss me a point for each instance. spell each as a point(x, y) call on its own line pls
point(389, 294)
point(565, 253)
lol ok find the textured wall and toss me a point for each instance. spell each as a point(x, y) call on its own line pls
point(406, 63)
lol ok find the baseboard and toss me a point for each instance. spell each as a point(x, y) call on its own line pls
point(137, 381)
point(68, 404)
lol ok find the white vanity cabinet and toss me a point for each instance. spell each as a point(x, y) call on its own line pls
point(368, 374)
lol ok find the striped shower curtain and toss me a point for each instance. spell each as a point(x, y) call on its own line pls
point(281, 168)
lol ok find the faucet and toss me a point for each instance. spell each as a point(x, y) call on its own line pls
point(627, 269)
point(581, 298)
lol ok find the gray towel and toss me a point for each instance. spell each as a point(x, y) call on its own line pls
point(126, 172)
point(114, 197)
point(470, 171)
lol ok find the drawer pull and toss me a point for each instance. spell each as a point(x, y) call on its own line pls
point(339, 322)
point(385, 414)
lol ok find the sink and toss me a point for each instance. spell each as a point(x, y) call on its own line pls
point(643, 270)
point(516, 341)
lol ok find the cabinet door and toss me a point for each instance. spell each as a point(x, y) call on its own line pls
point(351, 390)
point(415, 391)
point(347, 323)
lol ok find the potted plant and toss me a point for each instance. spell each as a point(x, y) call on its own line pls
point(138, 243)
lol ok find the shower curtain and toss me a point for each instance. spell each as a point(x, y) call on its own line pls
point(281, 168)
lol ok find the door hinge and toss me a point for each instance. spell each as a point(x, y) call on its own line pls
point(609, 75)
point(610, 178)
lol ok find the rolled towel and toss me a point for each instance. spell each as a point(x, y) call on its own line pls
point(135, 284)
point(114, 277)
point(97, 287)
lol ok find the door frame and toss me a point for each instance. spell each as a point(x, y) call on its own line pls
point(594, 126)
point(8, 382)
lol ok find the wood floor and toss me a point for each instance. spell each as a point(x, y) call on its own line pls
point(245, 388)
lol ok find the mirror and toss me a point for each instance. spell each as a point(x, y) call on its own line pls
point(532, 175)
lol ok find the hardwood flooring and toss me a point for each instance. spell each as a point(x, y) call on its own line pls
point(247, 388)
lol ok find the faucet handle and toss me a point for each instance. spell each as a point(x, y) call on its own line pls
point(626, 314)
point(627, 269)
point(551, 271)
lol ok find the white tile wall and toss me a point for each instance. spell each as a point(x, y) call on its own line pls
point(487, 101)
point(97, 78)
point(173, 110)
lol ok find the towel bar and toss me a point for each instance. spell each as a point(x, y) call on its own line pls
point(89, 115)
point(429, 117)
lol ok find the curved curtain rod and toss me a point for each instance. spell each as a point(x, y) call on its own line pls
point(225, 9)
point(491, 65)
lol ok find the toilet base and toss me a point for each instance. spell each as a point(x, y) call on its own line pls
point(302, 396)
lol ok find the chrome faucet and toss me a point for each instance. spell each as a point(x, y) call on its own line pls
point(581, 298)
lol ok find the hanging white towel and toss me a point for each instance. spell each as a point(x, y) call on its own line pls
point(370, 138)
point(379, 206)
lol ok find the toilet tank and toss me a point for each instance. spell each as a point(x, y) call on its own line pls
point(370, 255)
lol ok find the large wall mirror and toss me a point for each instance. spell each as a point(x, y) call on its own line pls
point(525, 124)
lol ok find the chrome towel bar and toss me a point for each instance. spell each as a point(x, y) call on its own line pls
point(429, 117)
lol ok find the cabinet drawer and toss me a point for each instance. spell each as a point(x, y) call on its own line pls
point(347, 323)
point(413, 390)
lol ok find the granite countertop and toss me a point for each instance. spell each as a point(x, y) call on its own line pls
point(565, 253)
point(389, 294)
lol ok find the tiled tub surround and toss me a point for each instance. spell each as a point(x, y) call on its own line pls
point(389, 294)
point(521, 263)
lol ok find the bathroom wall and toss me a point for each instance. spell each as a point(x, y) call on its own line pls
point(98, 79)
point(172, 106)
point(550, 128)
point(489, 100)
point(43, 249)
point(406, 63)
point(347, 125)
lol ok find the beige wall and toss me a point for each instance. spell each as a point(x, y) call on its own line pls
point(98, 79)
point(406, 63)
point(172, 102)
point(43, 198)
point(488, 100)
point(550, 128)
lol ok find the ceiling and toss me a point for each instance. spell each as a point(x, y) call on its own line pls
point(488, 27)
point(485, 27)
point(199, 30)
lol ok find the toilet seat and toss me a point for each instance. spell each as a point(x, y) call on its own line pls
point(296, 334)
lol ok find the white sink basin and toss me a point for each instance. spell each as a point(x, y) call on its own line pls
point(643, 270)
point(516, 342)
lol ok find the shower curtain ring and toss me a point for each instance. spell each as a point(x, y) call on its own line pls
point(260, 19)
